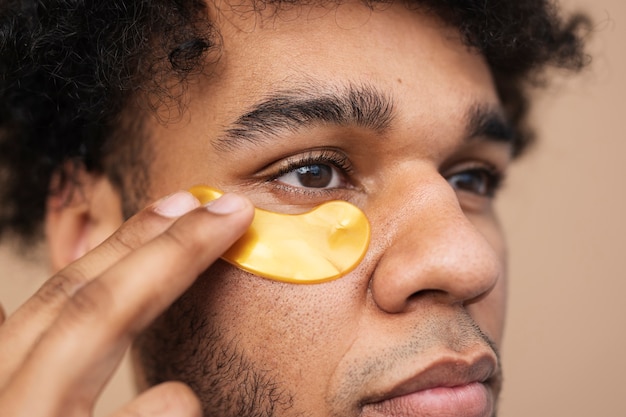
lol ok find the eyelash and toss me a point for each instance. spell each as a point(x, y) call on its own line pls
point(494, 178)
point(322, 157)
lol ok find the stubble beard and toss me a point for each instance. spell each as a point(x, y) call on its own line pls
point(185, 344)
point(182, 345)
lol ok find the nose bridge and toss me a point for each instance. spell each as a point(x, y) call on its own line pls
point(431, 246)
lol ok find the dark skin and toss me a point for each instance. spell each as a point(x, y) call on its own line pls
point(412, 331)
point(75, 317)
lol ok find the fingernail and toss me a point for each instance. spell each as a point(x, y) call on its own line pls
point(226, 204)
point(177, 204)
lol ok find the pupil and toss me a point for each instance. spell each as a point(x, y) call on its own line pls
point(314, 176)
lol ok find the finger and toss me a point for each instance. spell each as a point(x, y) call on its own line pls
point(2, 315)
point(170, 399)
point(26, 325)
point(95, 327)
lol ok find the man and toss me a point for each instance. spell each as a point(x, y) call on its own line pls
point(411, 111)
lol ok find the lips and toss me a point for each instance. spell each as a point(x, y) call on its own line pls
point(451, 386)
point(471, 400)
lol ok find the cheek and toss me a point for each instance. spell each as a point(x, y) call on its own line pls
point(490, 312)
point(277, 324)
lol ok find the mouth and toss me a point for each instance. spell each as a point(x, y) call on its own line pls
point(448, 387)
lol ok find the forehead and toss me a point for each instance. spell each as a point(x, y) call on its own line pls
point(395, 48)
point(411, 60)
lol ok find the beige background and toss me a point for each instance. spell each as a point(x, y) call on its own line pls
point(563, 208)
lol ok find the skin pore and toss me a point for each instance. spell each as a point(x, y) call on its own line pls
point(384, 108)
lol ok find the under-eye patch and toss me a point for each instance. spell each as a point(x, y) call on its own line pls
point(319, 245)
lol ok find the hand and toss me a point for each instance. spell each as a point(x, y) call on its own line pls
point(59, 349)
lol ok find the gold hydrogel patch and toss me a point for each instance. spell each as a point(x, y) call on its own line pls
point(319, 245)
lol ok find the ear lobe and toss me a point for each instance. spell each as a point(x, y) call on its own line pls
point(79, 216)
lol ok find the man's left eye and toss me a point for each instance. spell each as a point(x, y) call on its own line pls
point(480, 181)
point(313, 176)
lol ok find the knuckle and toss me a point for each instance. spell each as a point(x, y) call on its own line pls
point(60, 287)
point(136, 232)
point(202, 235)
point(188, 237)
point(199, 228)
point(180, 241)
point(90, 302)
point(123, 242)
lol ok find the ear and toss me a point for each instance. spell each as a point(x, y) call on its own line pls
point(80, 214)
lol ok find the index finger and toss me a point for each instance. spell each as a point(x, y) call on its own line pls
point(27, 324)
point(84, 344)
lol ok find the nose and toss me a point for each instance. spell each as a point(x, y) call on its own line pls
point(432, 247)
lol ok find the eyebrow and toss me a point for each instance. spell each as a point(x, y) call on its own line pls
point(488, 122)
point(354, 105)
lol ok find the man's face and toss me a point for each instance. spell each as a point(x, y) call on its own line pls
point(386, 109)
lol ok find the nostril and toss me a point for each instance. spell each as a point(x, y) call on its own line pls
point(432, 293)
point(482, 295)
point(436, 296)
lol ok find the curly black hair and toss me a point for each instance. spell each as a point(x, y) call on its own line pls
point(70, 69)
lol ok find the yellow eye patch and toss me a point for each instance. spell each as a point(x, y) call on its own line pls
point(320, 245)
